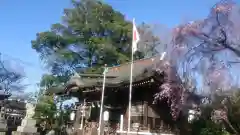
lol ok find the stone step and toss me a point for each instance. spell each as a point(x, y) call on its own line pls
point(21, 133)
point(28, 122)
point(26, 129)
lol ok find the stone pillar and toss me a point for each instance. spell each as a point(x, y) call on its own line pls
point(3, 123)
point(28, 123)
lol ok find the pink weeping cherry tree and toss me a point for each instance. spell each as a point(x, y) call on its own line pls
point(171, 90)
point(210, 47)
point(213, 41)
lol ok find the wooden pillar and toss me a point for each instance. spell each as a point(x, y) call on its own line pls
point(154, 121)
point(77, 119)
point(161, 126)
point(145, 116)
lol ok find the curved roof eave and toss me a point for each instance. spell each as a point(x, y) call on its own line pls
point(116, 76)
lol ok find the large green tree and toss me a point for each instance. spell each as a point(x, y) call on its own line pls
point(91, 34)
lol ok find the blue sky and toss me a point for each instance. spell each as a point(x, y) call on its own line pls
point(22, 19)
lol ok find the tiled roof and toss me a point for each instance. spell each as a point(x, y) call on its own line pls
point(4, 95)
point(117, 75)
point(137, 65)
point(14, 104)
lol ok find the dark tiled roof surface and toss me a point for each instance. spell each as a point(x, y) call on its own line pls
point(4, 95)
point(13, 104)
point(116, 75)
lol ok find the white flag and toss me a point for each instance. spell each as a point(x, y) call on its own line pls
point(135, 37)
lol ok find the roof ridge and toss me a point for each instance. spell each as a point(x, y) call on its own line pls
point(133, 61)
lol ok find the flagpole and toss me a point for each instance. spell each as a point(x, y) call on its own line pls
point(102, 99)
point(130, 87)
point(130, 95)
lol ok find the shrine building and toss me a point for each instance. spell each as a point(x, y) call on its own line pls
point(146, 117)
